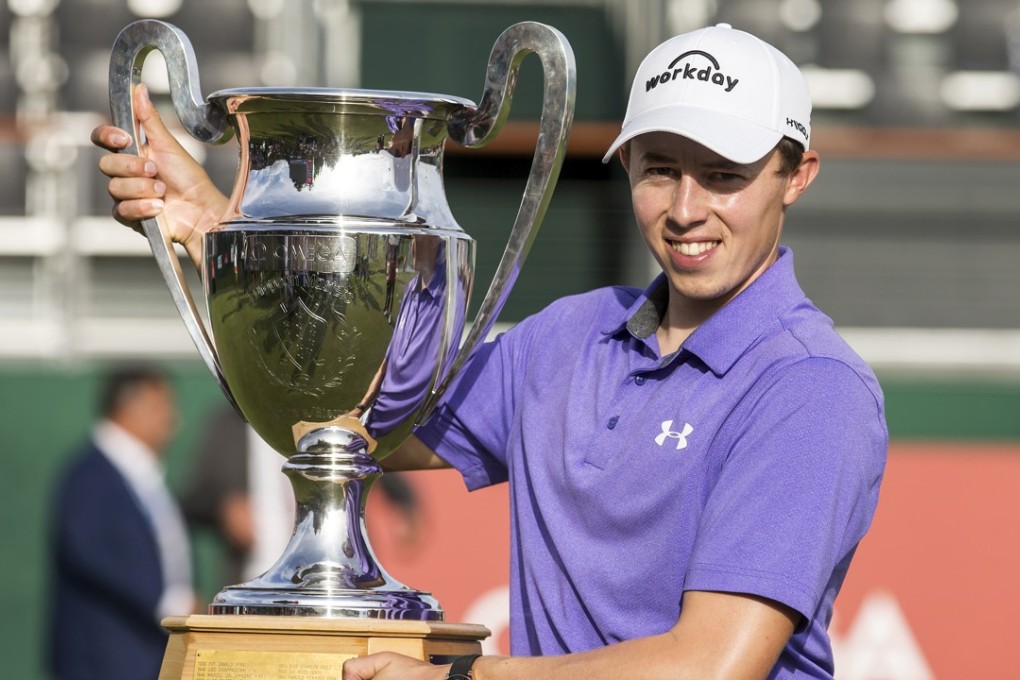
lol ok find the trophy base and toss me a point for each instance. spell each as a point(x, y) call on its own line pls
point(397, 604)
point(206, 647)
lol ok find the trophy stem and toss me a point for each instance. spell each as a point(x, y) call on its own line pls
point(328, 568)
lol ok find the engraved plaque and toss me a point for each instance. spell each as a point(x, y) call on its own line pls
point(335, 253)
point(250, 665)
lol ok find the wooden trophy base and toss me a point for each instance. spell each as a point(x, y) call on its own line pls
point(229, 647)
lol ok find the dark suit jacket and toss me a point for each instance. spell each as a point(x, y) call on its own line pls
point(107, 578)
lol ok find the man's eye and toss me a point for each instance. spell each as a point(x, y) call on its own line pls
point(661, 171)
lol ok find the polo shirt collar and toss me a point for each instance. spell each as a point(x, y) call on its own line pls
point(727, 334)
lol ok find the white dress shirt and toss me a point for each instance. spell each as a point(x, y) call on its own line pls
point(140, 467)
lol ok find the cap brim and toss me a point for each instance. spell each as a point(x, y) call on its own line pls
point(734, 138)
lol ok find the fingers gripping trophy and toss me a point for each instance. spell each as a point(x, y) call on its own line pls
point(336, 285)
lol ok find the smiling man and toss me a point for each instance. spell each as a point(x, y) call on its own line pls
point(692, 465)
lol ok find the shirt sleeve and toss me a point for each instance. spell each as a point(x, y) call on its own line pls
point(797, 488)
point(473, 423)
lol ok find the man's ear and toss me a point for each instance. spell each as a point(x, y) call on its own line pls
point(624, 155)
point(801, 178)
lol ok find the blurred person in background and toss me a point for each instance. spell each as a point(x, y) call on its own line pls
point(121, 557)
point(236, 489)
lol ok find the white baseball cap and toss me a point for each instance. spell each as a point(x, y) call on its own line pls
point(723, 88)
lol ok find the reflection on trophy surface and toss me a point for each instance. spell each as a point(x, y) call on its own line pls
point(337, 286)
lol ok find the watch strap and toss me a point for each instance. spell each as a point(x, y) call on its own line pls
point(461, 667)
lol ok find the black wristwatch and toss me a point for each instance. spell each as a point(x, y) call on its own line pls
point(461, 668)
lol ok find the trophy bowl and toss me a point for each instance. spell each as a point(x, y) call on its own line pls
point(337, 286)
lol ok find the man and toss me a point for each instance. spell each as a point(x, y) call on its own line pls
point(121, 554)
point(691, 466)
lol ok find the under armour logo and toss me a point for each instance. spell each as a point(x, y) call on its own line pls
point(668, 432)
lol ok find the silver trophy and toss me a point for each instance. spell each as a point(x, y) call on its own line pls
point(337, 285)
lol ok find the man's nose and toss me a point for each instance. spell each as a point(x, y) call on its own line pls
point(689, 202)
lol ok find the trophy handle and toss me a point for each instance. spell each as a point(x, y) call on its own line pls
point(476, 127)
point(203, 121)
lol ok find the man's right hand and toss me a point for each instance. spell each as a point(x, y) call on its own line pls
point(163, 179)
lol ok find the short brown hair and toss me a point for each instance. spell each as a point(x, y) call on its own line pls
point(791, 153)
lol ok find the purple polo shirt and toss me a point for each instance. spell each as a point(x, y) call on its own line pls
point(749, 461)
point(412, 353)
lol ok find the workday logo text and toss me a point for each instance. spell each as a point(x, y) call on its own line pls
point(699, 65)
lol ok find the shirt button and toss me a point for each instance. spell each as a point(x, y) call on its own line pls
point(612, 422)
point(640, 380)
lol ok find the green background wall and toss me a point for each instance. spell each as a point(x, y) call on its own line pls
point(47, 411)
